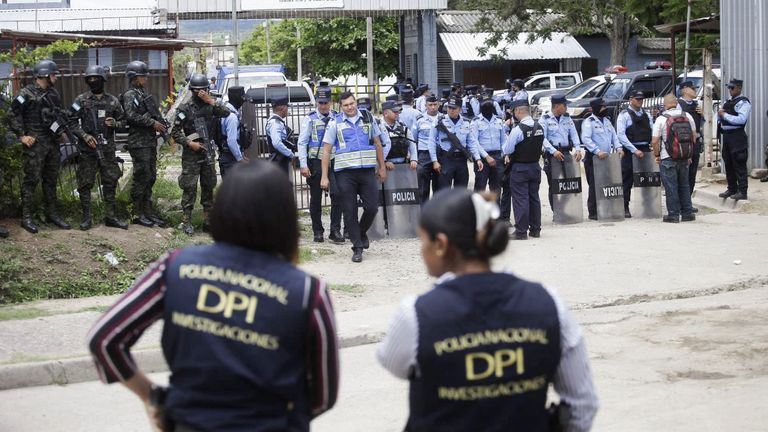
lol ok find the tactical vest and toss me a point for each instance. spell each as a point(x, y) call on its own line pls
point(690, 108)
point(488, 345)
point(354, 142)
point(235, 337)
point(529, 149)
point(317, 125)
point(29, 104)
point(193, 110)
point(640, 130)
point(288, 133)
point(399, 142)
point(730, 107)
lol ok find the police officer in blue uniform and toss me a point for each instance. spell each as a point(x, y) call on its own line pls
point(409, 113)
point(422, 131)
point(488, 131)
point(599, 139)
point(230, 150)
point(310, 164)
point(733, 116)
point(249, 338)
point(422, 92)
point(364, 103)
point(481, 348)
point(560, 136)
point(524, 149)
point(448, 160)
point(396, 139)
point(359, 159)
point(518, 86)
point(634, 128)
point(470, 105)
point(277, 134)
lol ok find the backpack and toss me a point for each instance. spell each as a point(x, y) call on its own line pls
point(679, 140)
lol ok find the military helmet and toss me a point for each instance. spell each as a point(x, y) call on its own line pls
point(96, 71)
point(136, 68)
point(43, 68)
point(198, 81)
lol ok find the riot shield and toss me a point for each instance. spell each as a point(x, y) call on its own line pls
point(609, 191)
point(646, 190)
point(566, 190)
point(399, 205)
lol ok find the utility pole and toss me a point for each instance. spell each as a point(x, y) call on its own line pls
point(299, 72)
point(710, 165)
point(236, 42)
point(269, 53)
point(369, 58)
point(687, 42)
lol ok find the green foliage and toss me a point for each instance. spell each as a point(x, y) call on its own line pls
point(330, 47)
point(27, 58)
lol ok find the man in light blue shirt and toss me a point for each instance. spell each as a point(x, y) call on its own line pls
point(470, 105)
point(409, 113)
point(732, 118)
point(422, 131)
point(560, 136)
point(230, 152)
point(396, 139)
point(277, 134)
point(451, 162)
point(422, 91)
point(633, 127)
point(489, 132)
point(599, 139)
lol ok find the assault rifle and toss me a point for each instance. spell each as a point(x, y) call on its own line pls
point(454, 140)
point(201, 134)
point(154, 114)
point(58, 119)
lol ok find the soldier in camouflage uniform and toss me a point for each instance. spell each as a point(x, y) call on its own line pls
point(99, 114)
point(142, 143)
point(33, 121)
point(195, 163)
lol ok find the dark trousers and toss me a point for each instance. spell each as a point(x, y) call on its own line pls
point(282, 161)
point(351, 183)
point(694, 167)
point(589, 169)
point(524, 180)
point(226, 162)
point(453, 171)
point(41, 165)
point(427, 176)
point(490, 177)
point(735, 154)
point(505, 201)
point(316, 197)
point(627, 172)
point(674, 176)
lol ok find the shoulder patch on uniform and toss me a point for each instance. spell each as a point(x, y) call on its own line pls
point(547, 116)
point(20, 99)
point(75, 106)
point(181, 115)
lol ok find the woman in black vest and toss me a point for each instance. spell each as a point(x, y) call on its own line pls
point(250, 339)
point(481, 347)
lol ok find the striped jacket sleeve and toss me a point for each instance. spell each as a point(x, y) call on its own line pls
point(323, 349)
point(113, 335)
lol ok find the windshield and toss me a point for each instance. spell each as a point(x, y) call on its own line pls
point(255, 81)
point(616, 89)
point(580, 89)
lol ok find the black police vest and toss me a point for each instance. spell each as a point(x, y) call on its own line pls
point(730, 107)
point(288, 133)
point(234, 336)
point(690, 108)
point(489, 344)
point(529, 149)
point(640, 130)
point(397, 136)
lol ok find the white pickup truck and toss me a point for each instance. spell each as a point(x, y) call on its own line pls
point(543, 81)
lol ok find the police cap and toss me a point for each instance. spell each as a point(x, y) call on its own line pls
point(735, 83)
point(688, 83)
point(472, 88)
point(445, 93)
point(454, 102)
point(392, 106)
point(637, 95)
point(279, 101)
point(558, 99)
point(323, 95)
point(431, 98)
point(519, 83)
point(364, 103)
point(406, 94)
point(485, 98)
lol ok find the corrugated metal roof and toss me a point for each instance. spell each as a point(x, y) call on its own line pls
point(744, 55)
point(464, 46)
point(466, 21)
point(83, 20)
point(305, 8)
point(659, 44)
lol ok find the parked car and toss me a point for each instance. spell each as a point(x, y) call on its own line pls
point(697, 76)
point(588, 88)
point(653, 84)
point(249, 76)
point(543, 81)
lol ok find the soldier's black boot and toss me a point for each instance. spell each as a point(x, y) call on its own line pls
point(152, 215)
point(4, 233)
point(141, 218)
point(57, 220)
point(111, 220)
point(87, 222)
point(28, 224)
point(186, 225)
point(336, 237)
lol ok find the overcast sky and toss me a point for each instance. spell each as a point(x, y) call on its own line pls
point(100, 4)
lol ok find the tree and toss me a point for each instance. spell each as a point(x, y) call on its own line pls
point(505, 20)
point(330, 47)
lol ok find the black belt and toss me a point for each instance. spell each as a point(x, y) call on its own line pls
point(494, 153)
point(730, 131)
point(421, 152)
point(456, 155)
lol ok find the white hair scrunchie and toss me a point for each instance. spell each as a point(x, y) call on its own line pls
point(484, 211)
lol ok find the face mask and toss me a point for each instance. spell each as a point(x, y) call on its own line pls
point(236, 101)
point(602, 113)
point(96, 86)
point(487, 110)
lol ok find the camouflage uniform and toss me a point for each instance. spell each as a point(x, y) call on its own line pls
point(31, 116)
point(91, 110)
point(142, 145)
point(193, 164)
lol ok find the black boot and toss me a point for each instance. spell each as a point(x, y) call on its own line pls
point(336, 237)
point(4, 233)
point(143, 221)
point(152, 215)
point(57, 220)
point(28, 224)
point(186, 225)
point(114, 222)
point(87, 222)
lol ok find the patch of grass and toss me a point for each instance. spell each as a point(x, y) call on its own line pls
point(348, 288)
point(7, 314)
point(307, 254)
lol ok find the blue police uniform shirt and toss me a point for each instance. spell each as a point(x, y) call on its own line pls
point(421, 104)
point(231, 127)
point(471, 100)
point(743, 108)
point(488, 134)
point(408, 115)
point(520, 95)
point(277, 133)
point(461, 128)
point(386, 141)
point(558, 131)
point(516, 136)
point(598, 135)
point(312, 133)
point(423, 129)
point(331, 136)
point(625, 121)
